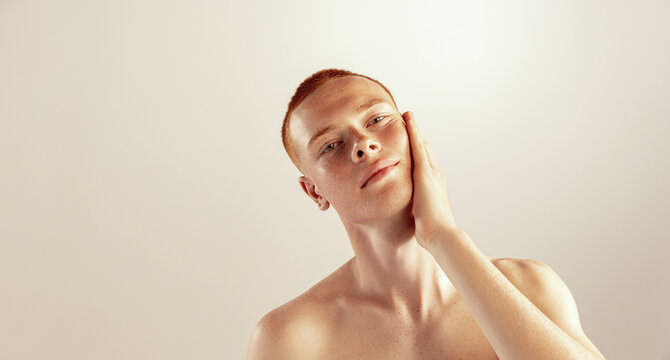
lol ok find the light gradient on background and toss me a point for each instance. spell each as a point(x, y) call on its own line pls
point(148, 210)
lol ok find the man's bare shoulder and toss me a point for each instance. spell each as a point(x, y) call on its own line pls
point(293, 330)
point(299, 328)
point(524, 274)
point(539, 283)
point(548, 292)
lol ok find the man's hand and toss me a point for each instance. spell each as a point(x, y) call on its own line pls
point(541, 325)
point(431, 209)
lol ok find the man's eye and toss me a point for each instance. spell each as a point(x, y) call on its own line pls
point(378, 117)
point(330, 146)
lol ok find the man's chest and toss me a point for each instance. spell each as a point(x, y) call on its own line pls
point(457, 337)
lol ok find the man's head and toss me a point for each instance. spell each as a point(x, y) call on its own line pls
point(307, 87)
point(338, 126)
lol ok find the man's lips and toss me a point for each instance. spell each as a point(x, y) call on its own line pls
point(377, 167)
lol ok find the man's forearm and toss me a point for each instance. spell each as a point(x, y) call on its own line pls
point(513, 325)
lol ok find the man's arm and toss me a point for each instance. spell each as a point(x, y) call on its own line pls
point(544, 325)
point(514, 326)
point(553, 297)
point(547, 291)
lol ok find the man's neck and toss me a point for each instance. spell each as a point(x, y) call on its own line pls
point(392, 269)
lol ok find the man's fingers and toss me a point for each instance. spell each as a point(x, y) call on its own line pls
point(429, 154)
point(416, 140)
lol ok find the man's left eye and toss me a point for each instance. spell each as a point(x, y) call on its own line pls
point(378, 117)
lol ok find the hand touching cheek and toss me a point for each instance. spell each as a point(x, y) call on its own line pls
point(431, 208)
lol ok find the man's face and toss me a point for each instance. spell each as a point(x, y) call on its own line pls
point(335, 162)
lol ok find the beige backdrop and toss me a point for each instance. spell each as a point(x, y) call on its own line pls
point(148, 210)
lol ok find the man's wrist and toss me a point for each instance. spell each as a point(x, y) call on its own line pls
point(444, 236)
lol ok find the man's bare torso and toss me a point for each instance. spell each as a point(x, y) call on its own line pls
point(330, 322)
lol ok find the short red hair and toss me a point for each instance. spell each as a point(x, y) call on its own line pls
point(305, 88)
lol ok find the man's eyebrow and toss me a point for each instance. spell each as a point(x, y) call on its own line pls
point(368, 104)
point(319, 133)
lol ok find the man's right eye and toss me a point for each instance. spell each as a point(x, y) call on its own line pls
point(329, 147)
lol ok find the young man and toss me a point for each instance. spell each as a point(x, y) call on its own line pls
point(418, 287)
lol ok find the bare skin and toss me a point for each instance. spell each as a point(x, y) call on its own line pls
point(417, 287)
point(333, 321)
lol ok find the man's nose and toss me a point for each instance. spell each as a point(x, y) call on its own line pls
point(364, 148)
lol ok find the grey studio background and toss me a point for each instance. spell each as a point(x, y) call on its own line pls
point(148, 209)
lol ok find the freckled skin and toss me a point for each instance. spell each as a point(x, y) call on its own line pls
point(397, 297)
point(336, 173)
point(336, 319)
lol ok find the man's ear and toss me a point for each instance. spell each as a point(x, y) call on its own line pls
point(311, 190)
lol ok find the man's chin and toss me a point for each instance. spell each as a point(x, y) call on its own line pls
point(390, 201)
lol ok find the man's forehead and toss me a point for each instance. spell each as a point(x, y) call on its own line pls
point(336, 98)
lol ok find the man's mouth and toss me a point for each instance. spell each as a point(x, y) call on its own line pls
point(379, 174)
